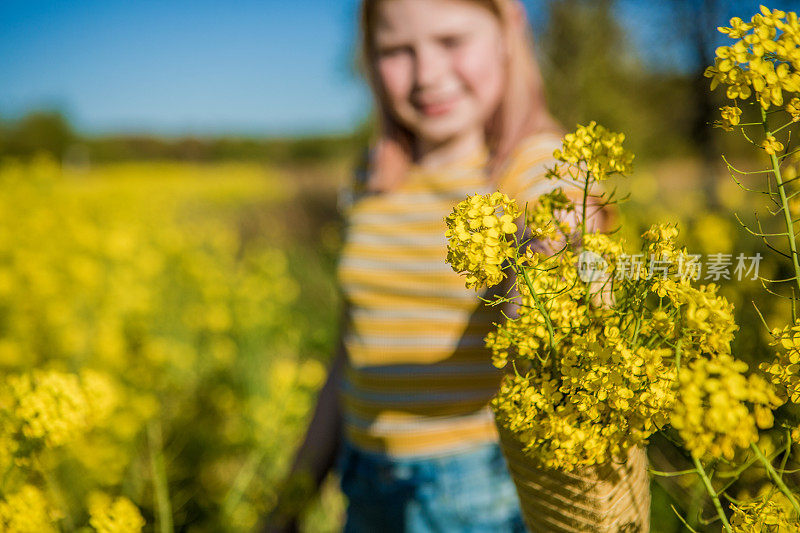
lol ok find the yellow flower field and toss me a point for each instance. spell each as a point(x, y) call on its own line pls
point(152, 346)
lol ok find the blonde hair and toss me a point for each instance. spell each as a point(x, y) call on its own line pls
point(522, 110)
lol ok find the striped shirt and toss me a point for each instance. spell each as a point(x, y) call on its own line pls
point(418, 377)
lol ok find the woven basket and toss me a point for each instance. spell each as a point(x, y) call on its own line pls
point(611, 498)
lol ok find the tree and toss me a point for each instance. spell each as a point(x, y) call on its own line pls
point(39, 131)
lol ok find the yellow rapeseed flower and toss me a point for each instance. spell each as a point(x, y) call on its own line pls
point(793, 108)
point(50, 406)
point(771, 145)
point(28, 511)
point(542, 216)
point(784, 370)
point(768, 513)
point(596, 148)
point(119, 515)
point(476, 231)
point(591, 378)
point(731, 116)
point(763, 61)
point(712, 413)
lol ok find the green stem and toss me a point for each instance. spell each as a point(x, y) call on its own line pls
point(160, 486)
point(585, 199)
point(775, 477)
point(787, 216)
point(671, 474)
point(784, 126)
point(683, 520)
point(711, 492)
point(638, 323)
point(58, 495)
point(586, 297)
point(242, 481)
point(539, 306)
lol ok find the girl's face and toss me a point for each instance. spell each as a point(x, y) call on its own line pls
point(441, 64)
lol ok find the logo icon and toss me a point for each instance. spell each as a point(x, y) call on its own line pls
point(591, 266)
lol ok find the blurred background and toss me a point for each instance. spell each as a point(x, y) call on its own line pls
point(169, 232)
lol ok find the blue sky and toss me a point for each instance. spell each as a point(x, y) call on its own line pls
point(182, 66)
point(199, 66)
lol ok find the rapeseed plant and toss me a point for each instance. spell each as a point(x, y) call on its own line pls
point(135, 323)
point(594, 377)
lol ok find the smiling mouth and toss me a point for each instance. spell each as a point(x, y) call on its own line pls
point(437, 108)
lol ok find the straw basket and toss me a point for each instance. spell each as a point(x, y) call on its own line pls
point(611, 498)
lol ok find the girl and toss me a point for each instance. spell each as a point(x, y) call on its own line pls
point(404, 413)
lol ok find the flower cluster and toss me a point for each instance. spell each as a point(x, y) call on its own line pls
point(712, 413)
point(592, 377)
point(119, 515)
point(603, 245)
point(56, 408)
point(615, 374)
point(603, 399)
point(596, 148)
point(784, 370)
point(476, 230)
point(706, 318)
point(543, 217)
point(719, 408)
point(764, 61)
point(660, 243)
point(767, 513)
point(28, 511)
point(528, 335)
point(590, 380)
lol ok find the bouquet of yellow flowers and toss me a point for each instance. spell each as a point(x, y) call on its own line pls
point(606, 347)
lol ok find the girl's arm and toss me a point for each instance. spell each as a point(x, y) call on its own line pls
point(317, 454)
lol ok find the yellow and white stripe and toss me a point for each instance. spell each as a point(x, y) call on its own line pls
point(419, 378)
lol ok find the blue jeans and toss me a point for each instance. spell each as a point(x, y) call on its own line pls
point(467, 492)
